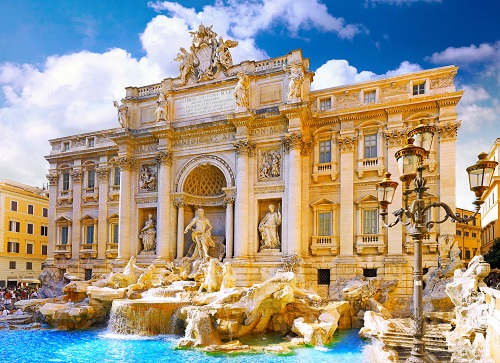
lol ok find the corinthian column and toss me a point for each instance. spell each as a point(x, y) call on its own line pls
point(126, 164)
point(180, 228)
point(53, 192)
point(164, 160)
point(76, 175)
point(102, 224)
point(243, 150)
point(229, 203)
point(293, 144)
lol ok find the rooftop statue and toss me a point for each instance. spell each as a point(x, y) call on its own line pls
point(208, 56)
point(122, 114)
point(296, 79)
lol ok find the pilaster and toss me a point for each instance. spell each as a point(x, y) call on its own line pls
point(347, 162)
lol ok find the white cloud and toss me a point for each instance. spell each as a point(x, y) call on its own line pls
point(245, 19)
point(473, 94)
point(338, 72)
point(465, 55)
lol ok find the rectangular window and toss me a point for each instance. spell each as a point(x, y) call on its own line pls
point(12, 265)
point(466, 234)
point(13, 247)
point(369, 97)
point(29, 228)
point(44, 250)
point(370, 146)
point(474, 222)
point(323, 276)
point(65, 146)
point(65, 181)
point(45, 212)
point(116, 179)
point(474, 235)
point(325, 151)
point(459, 233)
point(419, 89)
point(29, 248)
point(31, 209)
point(467, 254)
point(115, 233)
point(29, 265)
point(13, 205)
point(64, 235)
point(88, 274)
point(44, 231)
point(14, 226)
point(325, 104)
point(91, 142)
point(91, 178)
point(90, 235)
point(370, 272)
point(370, 225)
point(324, 224)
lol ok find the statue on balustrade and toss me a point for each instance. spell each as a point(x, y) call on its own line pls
point(148, 235)
point(268, 228)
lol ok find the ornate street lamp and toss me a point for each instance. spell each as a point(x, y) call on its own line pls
point(410, 161)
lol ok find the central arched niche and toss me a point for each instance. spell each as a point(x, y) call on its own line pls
point(203, 187)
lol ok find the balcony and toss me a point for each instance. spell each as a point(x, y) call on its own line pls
point(64, 197)
point(114, 193)
point(330, 169)
point(370, 244)
point(111, 250)
point(62, 251)
point(370, 164)
point(90, 194)
point(324, 245)
point(88, 250)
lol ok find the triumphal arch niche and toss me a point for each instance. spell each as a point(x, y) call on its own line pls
point(249, 151)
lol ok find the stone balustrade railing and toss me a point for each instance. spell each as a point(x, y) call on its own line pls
point(492, 297)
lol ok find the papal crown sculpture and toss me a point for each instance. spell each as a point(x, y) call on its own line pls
point(208, 56)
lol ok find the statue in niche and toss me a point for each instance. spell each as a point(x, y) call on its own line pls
point(148, 179)
point(268, 228)
point(186, 65)
point(270, 165)
point(201, 235)
point(148, 235)
point(241, 91)
point(223, 55)
point(122, 114)
point(295, 84)
point(162, 107)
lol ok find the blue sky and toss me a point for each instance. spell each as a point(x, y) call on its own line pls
point(63, 62)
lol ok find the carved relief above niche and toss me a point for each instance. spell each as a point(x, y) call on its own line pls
point(270, 164)
point(148, 178)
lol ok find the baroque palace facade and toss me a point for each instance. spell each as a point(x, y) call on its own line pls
point(235, 139)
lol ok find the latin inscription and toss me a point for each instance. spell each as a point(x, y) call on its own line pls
point(268, 130)
point(205, 104)
point(205, 139)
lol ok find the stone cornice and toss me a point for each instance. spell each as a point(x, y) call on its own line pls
point(239, 119)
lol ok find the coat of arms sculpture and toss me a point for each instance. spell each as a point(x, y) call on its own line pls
point(206, 58)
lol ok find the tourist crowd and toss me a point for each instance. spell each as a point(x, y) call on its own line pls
point(9, 296)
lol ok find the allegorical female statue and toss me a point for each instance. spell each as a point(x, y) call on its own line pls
point(268, 228)
point(148, 235)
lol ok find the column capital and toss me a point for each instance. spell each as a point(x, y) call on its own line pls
point(448, 131)
point(292, 141)
point(395, 137)
point(179, 203)
point(52, 178)
point(76, 174)
point(102, 172)
point(244, 147)
point(126, 162)
point(347, 143)
point(163, 158)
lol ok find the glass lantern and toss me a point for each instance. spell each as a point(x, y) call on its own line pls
point(409, 159)
point(423, 136)
point(480, 174)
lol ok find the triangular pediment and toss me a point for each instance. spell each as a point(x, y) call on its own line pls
point(323, 201)
point(367, 199)
point(88, 217)
point(63, 219)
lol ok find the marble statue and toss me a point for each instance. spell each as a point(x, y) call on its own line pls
point(224, 57)
point(228, 278)
point(201, 235)
point(127, 277)
point(148, 235)
point(295, 84)
point(241, 91)
point(268, 228)
point(161, 111)
point(122, 114)
point(145, 281)
point(147, 179)
point(186, 64)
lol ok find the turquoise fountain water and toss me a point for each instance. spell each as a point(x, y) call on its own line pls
point(88, 346)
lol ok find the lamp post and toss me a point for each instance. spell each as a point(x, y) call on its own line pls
point(410, 162)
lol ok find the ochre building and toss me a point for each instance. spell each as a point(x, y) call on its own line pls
point(490, 210)
point(235, 139)
point(23, 233)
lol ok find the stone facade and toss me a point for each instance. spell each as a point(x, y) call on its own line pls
point(468, 235)
point(490, 210)
point(234, 139)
